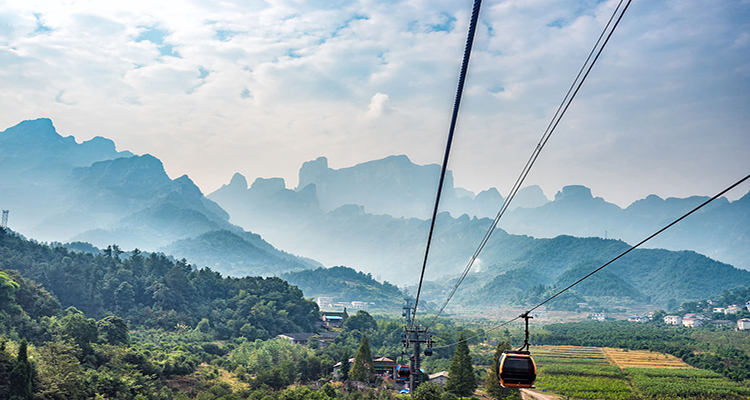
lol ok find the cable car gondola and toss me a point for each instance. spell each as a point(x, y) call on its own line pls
point(403, 371)
point(516, 369)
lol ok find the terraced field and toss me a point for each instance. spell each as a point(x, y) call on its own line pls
point(616, 374)
point(569, 354)
point(643, 359)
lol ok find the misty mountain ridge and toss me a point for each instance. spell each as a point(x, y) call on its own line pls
point(396, 186)
point(129, 200)
point(60, 190)
point(390, 187)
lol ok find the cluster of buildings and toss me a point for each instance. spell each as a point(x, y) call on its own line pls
point(731, 309)
point(692, 320)
point(695, 320)
point(386, 368)
point(326, 303)
point(328, 321)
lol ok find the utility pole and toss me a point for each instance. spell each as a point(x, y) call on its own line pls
point(414, 336)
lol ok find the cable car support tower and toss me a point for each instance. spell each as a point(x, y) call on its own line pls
point(414, 336)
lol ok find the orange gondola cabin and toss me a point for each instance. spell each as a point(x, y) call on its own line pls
point(516, 370)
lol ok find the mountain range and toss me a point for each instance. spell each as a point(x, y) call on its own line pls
point(60, 190)
point(370, 217)
point(339, 226)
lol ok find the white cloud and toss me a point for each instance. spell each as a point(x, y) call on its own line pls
point(378, 105)
point(664, 111)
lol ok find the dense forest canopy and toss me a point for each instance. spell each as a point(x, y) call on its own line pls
point(153, 291)
point(346, 284)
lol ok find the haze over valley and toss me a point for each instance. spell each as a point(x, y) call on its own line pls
point(236, 200)
point(372, 217)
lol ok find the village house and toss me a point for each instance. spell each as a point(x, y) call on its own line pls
point(332, 319)
point(297, 338)
point(440, 378)
point(673, 320)
point(598, 317)
point(720, 310)
point(325, 302)
point(732, 309)
point(303, 338)
point(743, 324)
point(692, 322)
point(383, 366)
point(359, 305)
point(638, 318)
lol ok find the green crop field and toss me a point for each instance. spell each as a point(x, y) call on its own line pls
point(591, 373)
point(667, 383)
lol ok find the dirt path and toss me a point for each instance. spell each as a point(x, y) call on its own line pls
point(528, 394)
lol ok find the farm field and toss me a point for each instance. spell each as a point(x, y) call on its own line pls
point(616, 374)
point(643, 359)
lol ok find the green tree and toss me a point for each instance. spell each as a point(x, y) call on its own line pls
point(124, 296)
point(22, 375)
point(8, 288)
point(6, 365)
point(461, 379)
point(60, 373)
point(114, 330)
point(81, 329)
point(362, 370)
point(344, 370)
point(428, 391)
point(659, 316)
point(492, 383)
point(362, 321)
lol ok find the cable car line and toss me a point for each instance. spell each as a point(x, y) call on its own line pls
point(454, 117)
point(561, 110)
point(643, 241)
point(739, 182)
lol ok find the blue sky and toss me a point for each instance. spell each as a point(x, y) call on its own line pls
point(259, 87)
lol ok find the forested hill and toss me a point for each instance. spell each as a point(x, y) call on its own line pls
point(153, 291)
point(237, 254)
point(533, 269)
point(345, 285)
point(59, 190)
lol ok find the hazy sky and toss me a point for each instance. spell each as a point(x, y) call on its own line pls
point(259, 87)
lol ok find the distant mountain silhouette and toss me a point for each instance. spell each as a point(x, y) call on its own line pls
point(60, 190)
point(340, 227)
point(509, 267)
point(721, 230)
point(35, 167)
point(366, 217)
point(235, 255)
point(396, 186)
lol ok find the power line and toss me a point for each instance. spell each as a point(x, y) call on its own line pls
point(643, 241)
point(479, 334)
point(454, 117)
point(561, 110)
point(614, 259)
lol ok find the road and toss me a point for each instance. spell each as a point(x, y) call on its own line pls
point(528, 394)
